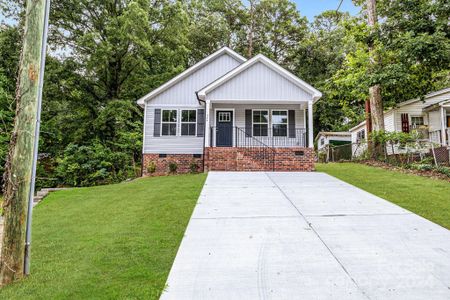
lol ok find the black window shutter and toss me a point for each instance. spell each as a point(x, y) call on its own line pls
point(201, 123)
point(157, 123)
point(248, 122)
point(291, 121)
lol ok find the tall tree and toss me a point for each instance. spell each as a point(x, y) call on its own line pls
point(376, 101)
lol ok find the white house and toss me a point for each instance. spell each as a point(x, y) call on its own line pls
point(430, 116)
point(324, 139)
point(230, 113)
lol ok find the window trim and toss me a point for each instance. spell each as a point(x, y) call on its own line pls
point(416, 116)
point(162, 122)
point(269, 116)
point(190, 122)
point(358, 138)
point(287, 124)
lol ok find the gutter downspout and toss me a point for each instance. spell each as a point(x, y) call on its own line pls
point(204, 133)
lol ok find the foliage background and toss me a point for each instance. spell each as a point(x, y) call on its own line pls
point(106, 54)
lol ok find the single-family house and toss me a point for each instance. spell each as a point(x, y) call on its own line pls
point(230, 113)
point(323, 139)
point(430, 116)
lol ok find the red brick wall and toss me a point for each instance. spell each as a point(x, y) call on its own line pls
point(254, 159)
point(162, 163)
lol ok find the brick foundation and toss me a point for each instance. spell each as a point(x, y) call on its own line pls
point(256, 159)
point(183, 162)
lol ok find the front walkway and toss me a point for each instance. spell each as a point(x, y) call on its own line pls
point(305, 236)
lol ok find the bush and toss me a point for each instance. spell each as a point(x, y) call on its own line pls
point(193, 167)
point(93, 165)
point(173, 166)
point(151, 168)
point(444, 170)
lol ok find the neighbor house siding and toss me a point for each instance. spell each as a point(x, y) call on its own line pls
point(169, 144)
point(413, 109)
point(183, 92)
point(389, 124)
point(261, 83)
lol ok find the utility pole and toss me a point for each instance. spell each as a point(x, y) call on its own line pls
point(21, 163)
point(376, 102)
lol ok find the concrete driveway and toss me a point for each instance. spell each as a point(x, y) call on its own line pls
point(305, 236)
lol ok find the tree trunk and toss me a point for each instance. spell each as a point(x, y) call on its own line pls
point(376, 102)
point(251, 29)
point(18, 175)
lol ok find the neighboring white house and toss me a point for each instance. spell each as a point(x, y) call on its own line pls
point(324, 138)
point(430, 116)
point(230, 113)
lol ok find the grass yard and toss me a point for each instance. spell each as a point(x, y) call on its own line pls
point(427, 197)
point(108, 242)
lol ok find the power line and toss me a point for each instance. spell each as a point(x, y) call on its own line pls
point(339, 6)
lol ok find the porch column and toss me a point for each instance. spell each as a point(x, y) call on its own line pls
point(310, 125)
point(443, 126)
point(207, 124)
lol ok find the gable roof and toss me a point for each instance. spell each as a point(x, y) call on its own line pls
point(316, 95)
point(335, 133)
point(357, 126)
point(427, 96)
point(189, 71)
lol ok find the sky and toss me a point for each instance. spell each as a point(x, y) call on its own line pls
point(312, 8)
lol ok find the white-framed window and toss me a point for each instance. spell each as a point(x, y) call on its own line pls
point(224, 116)
point(360, 135)
point(260, 124)
point(188, 122)
point(322, 141)
point(279, 122)
point(169, 119)
point(417, 121)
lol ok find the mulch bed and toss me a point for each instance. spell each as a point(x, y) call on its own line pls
point(431, 174)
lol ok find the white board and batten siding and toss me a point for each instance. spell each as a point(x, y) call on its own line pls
point(182, 96)
point(260, 83)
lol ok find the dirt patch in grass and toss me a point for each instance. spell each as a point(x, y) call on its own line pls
point(425, 173)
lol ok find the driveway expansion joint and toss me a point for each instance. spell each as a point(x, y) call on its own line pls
point(319, 237)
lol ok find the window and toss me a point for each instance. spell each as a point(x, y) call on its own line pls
point(361, 135)
point(224, 116)
point(169, 122)
point(322, 141)
point(279, 122)
point(260, 122)
point(416, 121)
point(188, 122)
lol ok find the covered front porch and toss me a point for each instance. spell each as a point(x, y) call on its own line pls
point(258, 124)
point(439, 123)
point(259, 117)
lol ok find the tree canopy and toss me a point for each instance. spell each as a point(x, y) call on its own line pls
point(106, 54)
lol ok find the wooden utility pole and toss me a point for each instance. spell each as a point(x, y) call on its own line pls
point(20, 167)
point(376, 102)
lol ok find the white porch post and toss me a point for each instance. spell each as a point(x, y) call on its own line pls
point(443, 126)
point(310, 125)
point(207, 124)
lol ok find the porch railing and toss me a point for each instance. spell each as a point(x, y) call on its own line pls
point(268, 138)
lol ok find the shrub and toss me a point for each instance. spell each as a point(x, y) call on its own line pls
point(151, 168)
point(173, 166)
point(443, 170)
point(193, 167)
point(93, 165)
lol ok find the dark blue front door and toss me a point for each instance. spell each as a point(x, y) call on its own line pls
point(224, 128)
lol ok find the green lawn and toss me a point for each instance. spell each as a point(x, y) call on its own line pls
point(427, 197)
point(108, 242)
